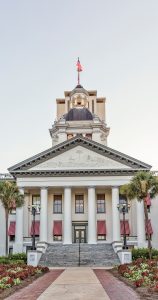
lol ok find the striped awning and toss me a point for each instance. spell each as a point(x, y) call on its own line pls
point(35, 228)
point(57, 228)
point(148, 227)
point(126, 228)
point(101, 227)
point(11, 230)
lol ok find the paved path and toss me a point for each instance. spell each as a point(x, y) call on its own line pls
point(82, 283)
point(116, 289)
point(75, 284)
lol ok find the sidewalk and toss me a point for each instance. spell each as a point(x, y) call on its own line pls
point(75, 284)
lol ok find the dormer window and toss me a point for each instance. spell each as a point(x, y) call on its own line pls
point(69, 136)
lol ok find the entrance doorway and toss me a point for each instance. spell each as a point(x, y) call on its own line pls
point(79, 234)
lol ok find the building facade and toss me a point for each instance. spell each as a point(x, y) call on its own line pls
point(74, 185)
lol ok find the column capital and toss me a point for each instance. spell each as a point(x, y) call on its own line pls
point(21, 190)
point(91, 186)
point(44, 187)
point(67, 187)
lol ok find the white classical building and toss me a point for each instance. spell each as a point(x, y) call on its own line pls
point(75, 183)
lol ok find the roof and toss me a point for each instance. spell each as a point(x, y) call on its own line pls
point(78, 89)
point(23, 167)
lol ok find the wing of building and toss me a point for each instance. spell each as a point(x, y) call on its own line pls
point(75, 182)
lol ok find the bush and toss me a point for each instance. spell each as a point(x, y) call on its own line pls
point(14, 258)
point(18, 256)
point(143, 253)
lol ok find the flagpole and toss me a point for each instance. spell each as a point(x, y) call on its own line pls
point(79, 69)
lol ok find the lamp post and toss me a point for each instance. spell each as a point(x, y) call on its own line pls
point(33, 209)
point(123, 207)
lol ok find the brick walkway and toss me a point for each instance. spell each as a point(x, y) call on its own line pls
point(35, 289)
point(116, 290)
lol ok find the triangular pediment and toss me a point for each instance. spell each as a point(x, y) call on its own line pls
point(77, 154)
point(79, 158)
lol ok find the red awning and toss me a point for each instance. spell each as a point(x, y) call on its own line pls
point(57, 228)
point(101, 227)
point(148, 227)
point(11, 230)
point(127, 229)
point(148, 200)
point(35, 227)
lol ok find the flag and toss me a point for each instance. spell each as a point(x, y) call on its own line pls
point(79, 67)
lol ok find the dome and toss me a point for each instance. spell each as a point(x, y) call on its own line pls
point(79, 114)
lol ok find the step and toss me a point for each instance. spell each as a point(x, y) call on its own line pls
point(68, 255)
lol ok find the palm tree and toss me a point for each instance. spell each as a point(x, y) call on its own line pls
point(142, 185)
point(10, 197)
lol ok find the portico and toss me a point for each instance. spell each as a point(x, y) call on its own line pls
point(73, 223)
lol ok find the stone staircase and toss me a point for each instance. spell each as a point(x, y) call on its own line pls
point(58, 255)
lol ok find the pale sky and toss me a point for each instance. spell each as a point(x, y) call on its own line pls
point(117, 42)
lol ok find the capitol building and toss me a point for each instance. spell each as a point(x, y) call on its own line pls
point(74, 184)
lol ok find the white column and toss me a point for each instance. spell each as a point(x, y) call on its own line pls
point(92, 233)
point(140, 224)
point(44, 215)
point(67, 230)
point(18, 246)
point(115, 214)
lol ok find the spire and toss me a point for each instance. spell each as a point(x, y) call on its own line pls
point(79, 69)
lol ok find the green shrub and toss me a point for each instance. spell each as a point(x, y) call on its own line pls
point(18, 256)
point(14, 258)
point(143, 253)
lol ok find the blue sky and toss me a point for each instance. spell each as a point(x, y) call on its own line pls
point(117, 42)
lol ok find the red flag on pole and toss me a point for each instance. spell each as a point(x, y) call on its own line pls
point(79, 67)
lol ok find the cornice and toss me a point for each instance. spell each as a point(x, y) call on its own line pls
point(72, 173)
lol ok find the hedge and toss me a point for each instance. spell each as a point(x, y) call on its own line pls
point(143, 253)
point(14, 258)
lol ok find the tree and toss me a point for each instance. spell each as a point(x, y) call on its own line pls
point(10, 198)
point(144, 184)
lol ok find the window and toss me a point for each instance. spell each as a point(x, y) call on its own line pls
point(100, 203)
point(150, 236)
point(57, 204)
point(57, 238)
point(92, 106)
point(79, 204)
point(36, 202)
point(12, 238)
point(69, 136)
point(88, 136)
point(13, 211)
point(101, 237)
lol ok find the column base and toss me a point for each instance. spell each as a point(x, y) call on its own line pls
point(67, 243)
point(18, 248)
point(92, 242)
